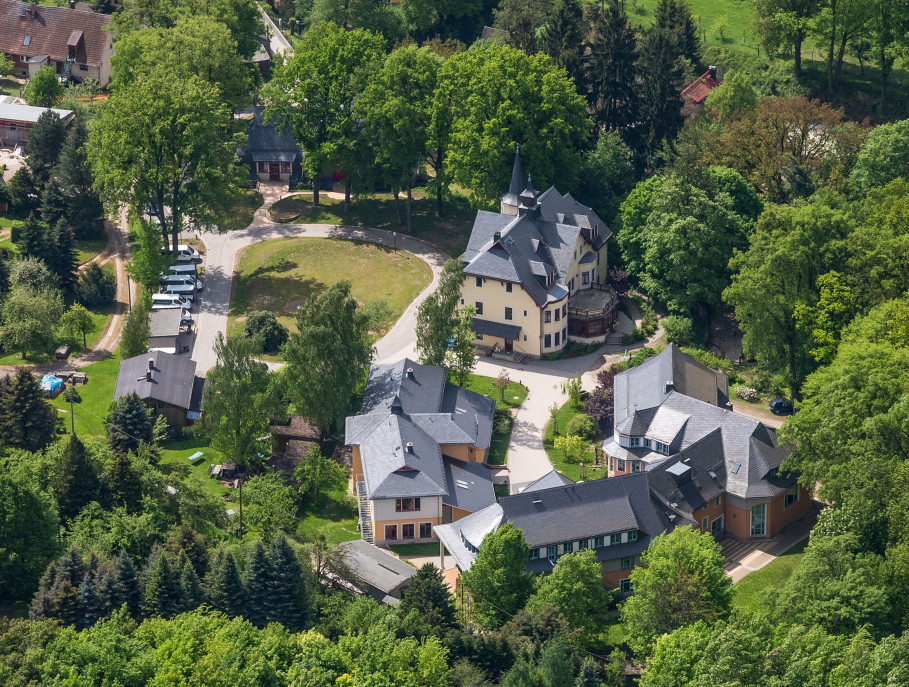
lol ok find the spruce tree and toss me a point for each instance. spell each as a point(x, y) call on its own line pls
point(587, 676)
point(163, 594)
point(430, 596)
point(65, 602)
point(662, 73)
point(27, 420)
point(23, 193)
point(89, 611)
point(95, 288)
point(127, 585)
point(135, 333)
point(70, 566)
point(61, 254)
point(76, 481)
point(191, 594)
point(124, 483)
point(128, 423)
point(256, 580)
point(54, 202)
point(44, 143)
point(563, 37)
point(41, 607)
point(610, 70)
point(184, 539)
point(675, 16)
point(106, 591)
point(32, 239)
point(223, 586)
point(84, 211)
point(286, 586)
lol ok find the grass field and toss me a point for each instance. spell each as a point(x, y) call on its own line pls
point(751, 590)
point(336, 518)
point(427, 549)
point(240, 215)
point(176, 453)
point(450, 233)
point(280, 275)
point(96, 397)
point(570, 470)
point(99, 318)
point(515, 394)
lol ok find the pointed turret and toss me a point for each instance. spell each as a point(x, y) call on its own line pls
point(508, 204)
point(528, 200)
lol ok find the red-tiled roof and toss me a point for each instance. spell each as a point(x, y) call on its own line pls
point(51, 28)
point(698, 90)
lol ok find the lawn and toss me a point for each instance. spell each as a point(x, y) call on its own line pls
point(240, 215)
point(450, 233)
point(96, 395)
point(428, 549)
point(751, 590)
point(279, 275)
point(176, 453)
point(515, 394)
point(336, 518)
point(739, 16)
point(570, 470)
point(100, 317)
point(86, 249)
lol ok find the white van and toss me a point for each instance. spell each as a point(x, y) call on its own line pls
point(189, 269)
point(169, 300)
point(184, 253)
point(187, 291)
point(178, 279)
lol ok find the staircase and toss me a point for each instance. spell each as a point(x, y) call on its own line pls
point(365, 511)
point(67, 69)
point(509, 355)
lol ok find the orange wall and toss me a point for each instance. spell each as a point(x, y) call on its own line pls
point(611, 580)
point(464, 452)
point(379, 528)
point(712, 512)
point(780, 516)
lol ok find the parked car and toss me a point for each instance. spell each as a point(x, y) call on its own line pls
point(160, 301)
point(182, 279)
point(188, 268)
point(187, 291)
point(781, 406)
point(184, 253)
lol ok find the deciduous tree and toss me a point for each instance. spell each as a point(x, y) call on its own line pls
point(461, 357)
point(30, 318)
point(316, 475)
point(135, 334)
point(785, 22)
point(147, 262)
point(436, 315)
point(44, 89)
point(521, 20)
point(28, 536)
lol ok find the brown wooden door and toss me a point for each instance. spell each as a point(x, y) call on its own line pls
point(274, 171)
point(509, 345)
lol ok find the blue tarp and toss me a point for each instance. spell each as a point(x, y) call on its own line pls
point(50, 384)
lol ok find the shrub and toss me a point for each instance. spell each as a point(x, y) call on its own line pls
point(264, 323)
point(95, 288)
point(378, 312)
point(582, 425)
point(502, 420)
point(679, 330)
point(746, 393)
point(640, 356)
point(714, 362)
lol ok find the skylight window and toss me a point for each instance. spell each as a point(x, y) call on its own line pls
point(27, 41)
point(735, 468)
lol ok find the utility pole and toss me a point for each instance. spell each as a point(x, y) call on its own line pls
point(241, 507)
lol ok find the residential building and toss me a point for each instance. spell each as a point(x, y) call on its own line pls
point(272, 153)
point(417, 452)
point(73, 41)
point(707, 462)
point(17, 122)
point(166, 383)
point(616, 518)
point(694, 95)
point(377, 573)
point(536, 272)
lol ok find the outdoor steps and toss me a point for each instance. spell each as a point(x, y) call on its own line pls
point(365, 509)
point(614, 339)
point(735, 550)
point(510, 355)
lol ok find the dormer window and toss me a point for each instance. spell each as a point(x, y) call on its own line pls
point(634, 442)
point(662, 448)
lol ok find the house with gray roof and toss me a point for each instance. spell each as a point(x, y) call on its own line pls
point(377, 573)
point(616, 518)
point(271, 151)
point(418, 448)
point(166, 383)
point(536, 272)
point(708, 463)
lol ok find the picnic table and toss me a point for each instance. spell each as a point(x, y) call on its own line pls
point(194, 457)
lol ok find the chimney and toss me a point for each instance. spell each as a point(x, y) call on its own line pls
point(72, 4)
point(728, 405)
point(496, 236)
point(151, 364)
point(670, 386)
point(148, 376)
point(410, 372)
point(409, 447)
point(711, 70)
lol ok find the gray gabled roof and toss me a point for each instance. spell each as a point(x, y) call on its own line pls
point(647, 385)
point(270, 141)
point(172, 378)
point(374, 566)
point(469, 485)
point(547, 481)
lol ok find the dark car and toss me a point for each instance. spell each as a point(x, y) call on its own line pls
point(780, 406)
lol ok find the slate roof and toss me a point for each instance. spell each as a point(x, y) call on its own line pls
point(376, 567)
point(535, 248)
point(550, 479)
point(50, 29)
point(409, 411)
point(646, 385)
point(172, 380)
point(567, 512)
point(269, 142)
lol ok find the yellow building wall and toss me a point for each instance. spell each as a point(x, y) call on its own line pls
point(495, 299)
point(464, 452)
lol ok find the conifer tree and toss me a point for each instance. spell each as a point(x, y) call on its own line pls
point(54, 202)
point(286, 587)
point(61, 254)
point(124, 483)
point(609, 70)
point(76, 481)
point(662, 73)
point(587, 676)
point(430, 596)
point(675, 15)
point(84, 210)
point(163, 594)
point(70, 566)
point(223, 586)
point(191, 594)
point(106, 591)
point(256, 580)
point(127, 585)
point(184, 539)
point(129, 423)
point(32, 241)
point(27, 420)
point(23, 193)
point(65, 601)
point(41, 607)
point(89, 611)
point(563, 37)
point(44, 143)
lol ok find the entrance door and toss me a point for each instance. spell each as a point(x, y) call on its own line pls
point(509, 345)
point(716, 527)
point(274, 171)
